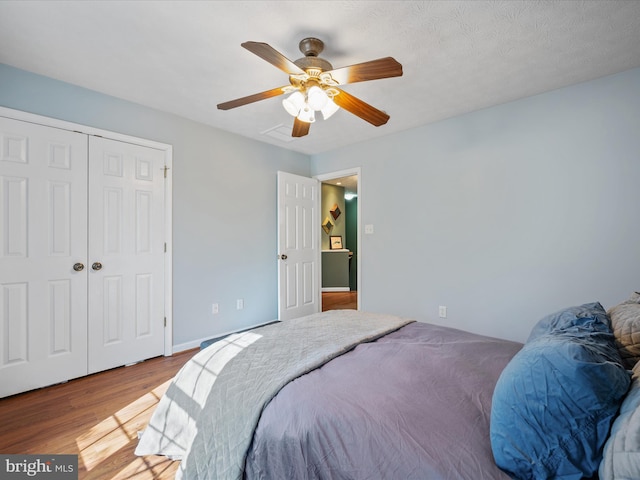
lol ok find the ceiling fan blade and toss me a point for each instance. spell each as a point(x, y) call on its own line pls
point(271, 55)
point(238, 102)
point(375, 69)
point(300, 128)
point(359, 108)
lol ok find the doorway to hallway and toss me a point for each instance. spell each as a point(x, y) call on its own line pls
point(343, 298)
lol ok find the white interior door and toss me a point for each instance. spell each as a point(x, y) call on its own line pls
point(298, 246)
point(43, 234)
point(126, 255)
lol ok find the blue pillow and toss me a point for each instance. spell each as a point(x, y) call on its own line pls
point(554, 402)
point(590, 317)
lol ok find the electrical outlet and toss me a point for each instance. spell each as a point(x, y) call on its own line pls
point(240, 304)
point(214, 308)
point(442, 311)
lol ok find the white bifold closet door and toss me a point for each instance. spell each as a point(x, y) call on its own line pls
point(43, 225)
point(126, 253)
point(81, 255)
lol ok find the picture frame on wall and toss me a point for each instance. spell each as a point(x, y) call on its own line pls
point(327, 226)
point(335, 211)
point(335, 242)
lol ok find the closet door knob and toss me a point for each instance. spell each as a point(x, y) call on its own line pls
point(96, 266)
point(78, 267)
point(283, 256)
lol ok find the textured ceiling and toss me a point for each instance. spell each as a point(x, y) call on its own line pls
point(185, 57)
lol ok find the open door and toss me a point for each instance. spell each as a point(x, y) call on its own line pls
point(298, 246)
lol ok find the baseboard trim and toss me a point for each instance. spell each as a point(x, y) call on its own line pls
point(336, 289)
point(196, 343)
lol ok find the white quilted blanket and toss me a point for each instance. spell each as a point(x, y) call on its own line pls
point(209, 413)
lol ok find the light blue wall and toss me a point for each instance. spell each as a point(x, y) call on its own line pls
point(504, 214)
point(224, 201)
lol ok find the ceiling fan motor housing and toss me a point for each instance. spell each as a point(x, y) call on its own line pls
point(311, 48)
point(313, 63)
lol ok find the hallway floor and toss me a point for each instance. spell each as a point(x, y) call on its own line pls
point(339, 300)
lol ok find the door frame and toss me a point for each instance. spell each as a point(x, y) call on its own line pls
point(168, 192)
point(331, 176)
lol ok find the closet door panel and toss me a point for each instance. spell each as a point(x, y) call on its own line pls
point(43, 234)
point(126, 237)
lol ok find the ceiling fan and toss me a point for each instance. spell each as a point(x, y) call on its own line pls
point(313, 85)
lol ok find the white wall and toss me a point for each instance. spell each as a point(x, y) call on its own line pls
point(505, 214)
point(224, 201)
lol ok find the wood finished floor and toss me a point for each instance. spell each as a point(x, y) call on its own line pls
point(98, 417)
point(339, 300)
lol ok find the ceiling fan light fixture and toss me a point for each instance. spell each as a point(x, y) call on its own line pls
point(317, 98)
point(313, 85)
point(307, 114)
point(294, 103)
point(329, 109)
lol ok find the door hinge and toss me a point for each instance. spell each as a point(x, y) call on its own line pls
point(165, 321)
point(165, 171)
point(165, 247)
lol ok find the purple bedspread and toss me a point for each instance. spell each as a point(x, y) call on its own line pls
point(413, 405)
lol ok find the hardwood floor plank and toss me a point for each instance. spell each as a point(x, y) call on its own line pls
point(96, 417)
point(339, 300)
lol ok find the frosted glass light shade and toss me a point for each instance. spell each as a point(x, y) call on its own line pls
point(329, 109)
point(316, 98)
point(307, 114)
point(294, 103)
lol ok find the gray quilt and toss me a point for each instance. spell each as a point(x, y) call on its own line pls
point(414, 404)
point(209, 413)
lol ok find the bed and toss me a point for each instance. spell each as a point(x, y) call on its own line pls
point(355, 395)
